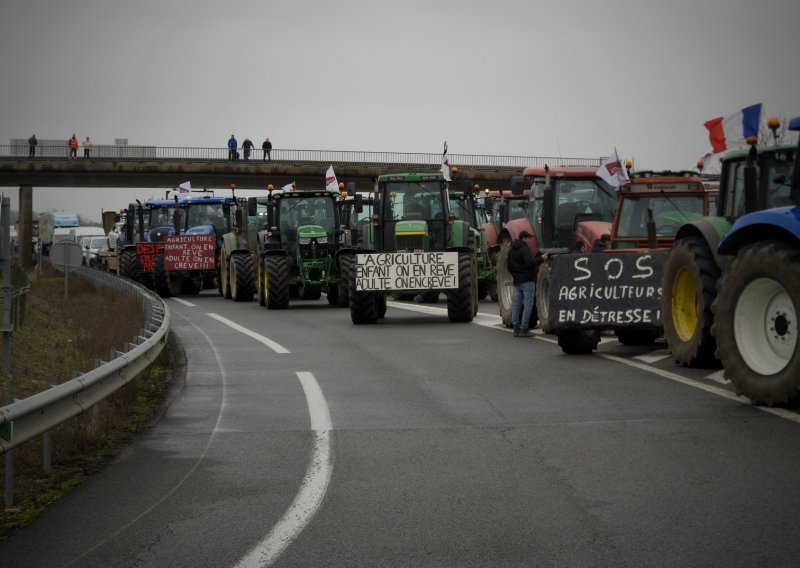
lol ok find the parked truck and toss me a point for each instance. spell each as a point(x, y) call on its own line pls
point(757, 309)
point(50, 223)
point(414, 243)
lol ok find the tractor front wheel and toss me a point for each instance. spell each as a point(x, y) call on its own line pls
point(276, 283)
point(505, 284)
point(688, 290)
point(461, 302)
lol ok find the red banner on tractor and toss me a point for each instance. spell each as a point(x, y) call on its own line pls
point(190, 252)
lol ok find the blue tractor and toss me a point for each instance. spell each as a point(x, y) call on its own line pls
point(757, 309)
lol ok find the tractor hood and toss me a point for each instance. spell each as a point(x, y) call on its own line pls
point(311, 232)
point(411, 227)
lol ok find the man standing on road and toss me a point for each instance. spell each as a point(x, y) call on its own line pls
point(523, 267)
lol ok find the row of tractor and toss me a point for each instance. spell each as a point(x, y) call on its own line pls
point(714, 269)
point(710, 267)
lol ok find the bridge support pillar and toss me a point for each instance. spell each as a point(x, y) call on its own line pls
point(25, 226)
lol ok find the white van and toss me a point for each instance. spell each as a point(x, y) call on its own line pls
point(77, 233)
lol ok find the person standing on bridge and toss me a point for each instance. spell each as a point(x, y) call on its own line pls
point(87, 147)
point(32, 143)
point(232, 145)
point(523, 267)
point(267, 147)
point(73, 147)
point(247, 145)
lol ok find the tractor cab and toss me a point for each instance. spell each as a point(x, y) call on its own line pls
point(654, 205)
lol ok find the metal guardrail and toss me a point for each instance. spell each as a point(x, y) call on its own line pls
point(25, 419)
point(342, 157)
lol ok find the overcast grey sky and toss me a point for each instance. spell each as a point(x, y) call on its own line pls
point(574, 78)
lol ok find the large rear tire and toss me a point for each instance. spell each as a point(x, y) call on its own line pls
point(345, 264)
point(505, 284)
point(261, 283)
point(276, 285)
point(756, 325)
point(242, 277)
point(129, 266)
point(461, 301)
point(160, 276)
point(223, 276)
point(688, 291)
point(363, 307)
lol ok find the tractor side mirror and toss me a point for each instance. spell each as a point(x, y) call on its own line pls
point(518, 185)
point(358, 203)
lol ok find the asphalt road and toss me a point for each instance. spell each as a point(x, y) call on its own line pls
point(295, 438)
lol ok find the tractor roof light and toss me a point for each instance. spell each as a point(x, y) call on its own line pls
point(773, 123)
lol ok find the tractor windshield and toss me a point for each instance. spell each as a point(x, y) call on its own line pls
point(575, 199)
point(670, 212)
point(207, 214)
point(463, 209)
point(413, 200)
point(767, 169)
point(161, 217)
point(298, 211)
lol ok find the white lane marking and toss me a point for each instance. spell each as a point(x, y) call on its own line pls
point(719, 377)
point(653, 356)
point(698, 385)
point(184, 302)
point(276, 347)
point(496, 322)
point(312, 490)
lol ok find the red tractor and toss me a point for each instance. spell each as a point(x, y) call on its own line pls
point(568, 209)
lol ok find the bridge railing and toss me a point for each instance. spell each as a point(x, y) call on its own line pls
point(291, 156)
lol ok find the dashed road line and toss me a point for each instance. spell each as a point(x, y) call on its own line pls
point(275, 346)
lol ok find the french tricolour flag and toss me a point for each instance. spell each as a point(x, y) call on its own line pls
point(726, 132)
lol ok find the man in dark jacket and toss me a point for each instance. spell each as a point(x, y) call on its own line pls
point(523, 267)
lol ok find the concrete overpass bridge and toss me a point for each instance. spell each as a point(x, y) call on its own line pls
point(167, 167)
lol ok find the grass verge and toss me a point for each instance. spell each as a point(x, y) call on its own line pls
point(59, 336)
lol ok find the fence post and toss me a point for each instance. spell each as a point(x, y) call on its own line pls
point(9, 483)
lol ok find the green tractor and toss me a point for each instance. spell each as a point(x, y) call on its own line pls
point(694, 265)
point(238, 254)
point(355, 215)
point(469, 206)
point(415, 242)
point(296, 253)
